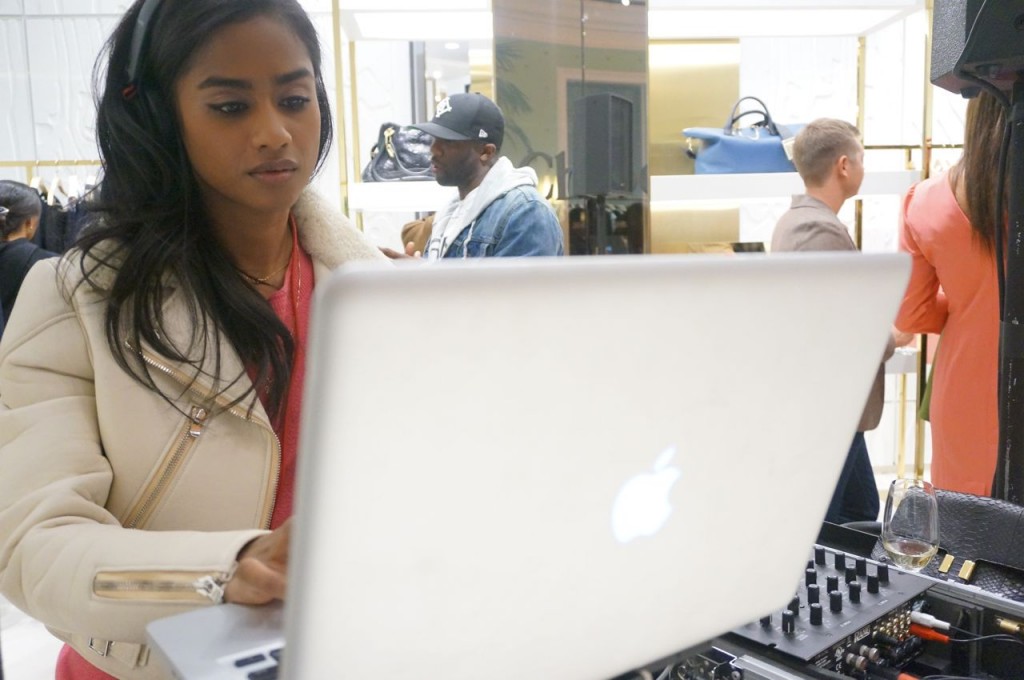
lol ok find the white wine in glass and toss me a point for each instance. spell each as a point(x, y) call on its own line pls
point(910, 526)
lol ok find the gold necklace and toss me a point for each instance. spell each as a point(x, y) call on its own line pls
point(263, 280)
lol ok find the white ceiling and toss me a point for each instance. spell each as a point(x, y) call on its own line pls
point(668, 19)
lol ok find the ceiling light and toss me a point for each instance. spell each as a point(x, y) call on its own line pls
point(451, 45)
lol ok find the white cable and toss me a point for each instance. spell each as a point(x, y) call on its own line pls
point(928, 620)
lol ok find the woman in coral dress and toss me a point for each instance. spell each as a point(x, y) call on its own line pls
point(948, 227)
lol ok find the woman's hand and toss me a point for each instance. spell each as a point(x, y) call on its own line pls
point(262, 572)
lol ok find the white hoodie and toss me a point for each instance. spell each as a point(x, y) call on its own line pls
point(458, 215)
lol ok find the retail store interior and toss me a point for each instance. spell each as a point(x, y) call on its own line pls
point(667, 64)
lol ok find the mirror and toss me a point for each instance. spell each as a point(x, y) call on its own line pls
point(571, 79)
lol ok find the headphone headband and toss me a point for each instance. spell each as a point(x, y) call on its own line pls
point(149, 8)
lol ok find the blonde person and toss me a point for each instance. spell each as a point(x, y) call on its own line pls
point(830, 159)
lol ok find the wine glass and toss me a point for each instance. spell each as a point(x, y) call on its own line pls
point(910, 526)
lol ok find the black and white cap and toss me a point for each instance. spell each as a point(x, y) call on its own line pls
point(465, 117)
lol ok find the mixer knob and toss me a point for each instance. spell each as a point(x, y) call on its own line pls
point(819, 555)
point(831, 583)
point(766, 621)
point(872, 584)
point(788, 622)
point(840, 561)
point(835, 601)
point(815, 614)
point(883, 573)
point(813, 593)
point(851, 574)
point(862, 566)
point(810, 576)
point(855, 592)
point(794, 604)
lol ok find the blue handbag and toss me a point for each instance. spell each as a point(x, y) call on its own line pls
point(763, 146)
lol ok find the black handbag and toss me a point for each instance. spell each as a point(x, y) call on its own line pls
point(401, 153)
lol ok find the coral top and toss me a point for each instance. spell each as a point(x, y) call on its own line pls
point(954, 291)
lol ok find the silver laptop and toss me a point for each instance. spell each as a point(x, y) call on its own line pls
point(560, 468)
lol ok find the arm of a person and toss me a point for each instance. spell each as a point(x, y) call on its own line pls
point(531, 229)
point(64, 558)
point(924, 308)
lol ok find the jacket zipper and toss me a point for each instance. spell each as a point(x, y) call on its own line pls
point(271, 500)
point(179, 586)
point(140, 513)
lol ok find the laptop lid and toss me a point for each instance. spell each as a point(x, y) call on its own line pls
point(571, 467)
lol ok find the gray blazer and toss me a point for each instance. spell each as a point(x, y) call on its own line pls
point(811, 225)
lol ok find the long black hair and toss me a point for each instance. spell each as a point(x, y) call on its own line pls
point(20, 202)
point(148, 212)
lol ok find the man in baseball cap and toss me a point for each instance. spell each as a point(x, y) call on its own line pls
point(498, 211)
point(466, 117)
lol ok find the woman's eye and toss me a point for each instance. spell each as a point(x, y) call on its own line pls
point(296, 102)
point(229, 108)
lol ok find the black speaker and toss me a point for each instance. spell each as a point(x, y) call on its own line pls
point(983, 37)
point(601, 160)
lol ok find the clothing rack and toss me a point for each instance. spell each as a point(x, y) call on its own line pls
point(30, 167)
point(56, 187)
point(48, 163)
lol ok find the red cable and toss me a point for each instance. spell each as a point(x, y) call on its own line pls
point(885, 673)
point(928, 634)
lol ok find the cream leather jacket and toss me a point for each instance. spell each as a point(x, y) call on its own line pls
point(116, 509)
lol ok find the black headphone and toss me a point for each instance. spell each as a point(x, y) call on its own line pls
point(149, 8)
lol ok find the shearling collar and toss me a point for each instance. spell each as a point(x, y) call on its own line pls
point(328, 236)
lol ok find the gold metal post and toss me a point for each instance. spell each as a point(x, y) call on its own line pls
point(901, 425)
point(339, 106)
point(858, 205)
point(926, 131)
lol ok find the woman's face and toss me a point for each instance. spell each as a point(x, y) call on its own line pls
point(250, 121)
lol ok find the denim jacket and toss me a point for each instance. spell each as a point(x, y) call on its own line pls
point(516, 223)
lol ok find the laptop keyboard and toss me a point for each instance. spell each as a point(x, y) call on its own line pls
point(260, 666)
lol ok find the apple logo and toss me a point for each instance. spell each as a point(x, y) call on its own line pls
point(641, 507)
